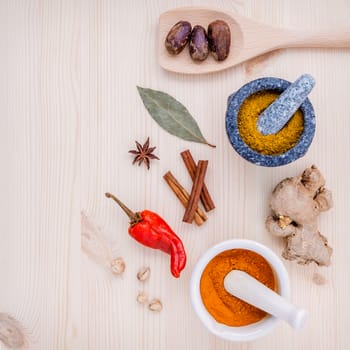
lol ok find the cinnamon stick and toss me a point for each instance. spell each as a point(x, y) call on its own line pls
point(196, 191)
point(191, 166)
point(184, 197)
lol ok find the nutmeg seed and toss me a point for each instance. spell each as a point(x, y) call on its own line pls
point(117, 266)
point(155, 305)
point(143, 274)
point(199, 47)
point(219, 37)
point(178, 37)
point(142, 298)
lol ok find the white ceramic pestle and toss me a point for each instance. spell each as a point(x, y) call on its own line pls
point(247, 288)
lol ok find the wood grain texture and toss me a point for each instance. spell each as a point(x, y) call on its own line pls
point(69, 112)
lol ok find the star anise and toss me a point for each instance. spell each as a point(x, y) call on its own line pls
point(143, 153)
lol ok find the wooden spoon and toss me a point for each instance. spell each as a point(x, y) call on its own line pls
point(248, 39)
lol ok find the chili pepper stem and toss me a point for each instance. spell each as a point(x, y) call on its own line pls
point(134, 217)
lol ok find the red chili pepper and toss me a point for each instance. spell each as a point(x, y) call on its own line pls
point(151, 230)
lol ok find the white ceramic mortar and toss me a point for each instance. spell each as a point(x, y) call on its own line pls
point(244, 333)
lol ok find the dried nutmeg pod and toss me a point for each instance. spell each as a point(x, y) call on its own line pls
point(143, 274)
point(178, 37)
point(155, 305)
point(117, 266)
point(219, 37)
point(199, 47)
point(142, 298)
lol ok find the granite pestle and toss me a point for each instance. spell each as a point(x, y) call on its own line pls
point(276, 116)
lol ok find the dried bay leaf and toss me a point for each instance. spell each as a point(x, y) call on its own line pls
point(171, 115)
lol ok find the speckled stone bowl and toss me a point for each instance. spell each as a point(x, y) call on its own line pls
point(234, 103)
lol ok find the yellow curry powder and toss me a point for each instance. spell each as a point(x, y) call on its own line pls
point(224, 307)
point(274, 144)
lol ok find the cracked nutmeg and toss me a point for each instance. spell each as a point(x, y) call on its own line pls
point(143, 274)
point(118, 266)
point(143, 153)
point(142, 298)
point(155, 305)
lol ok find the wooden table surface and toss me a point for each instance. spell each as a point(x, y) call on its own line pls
point(69, 112)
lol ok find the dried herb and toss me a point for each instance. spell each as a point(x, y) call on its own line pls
point(171, 115)
point(143, 153)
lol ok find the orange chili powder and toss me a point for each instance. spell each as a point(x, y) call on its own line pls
point(224, 307)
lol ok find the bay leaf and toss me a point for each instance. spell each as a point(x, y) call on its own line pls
point(171, 115)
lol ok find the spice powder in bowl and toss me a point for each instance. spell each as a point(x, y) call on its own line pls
point(274, 144)
point(224, 307)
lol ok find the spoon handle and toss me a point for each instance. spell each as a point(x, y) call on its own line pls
point(247, 288)
point(339, 38)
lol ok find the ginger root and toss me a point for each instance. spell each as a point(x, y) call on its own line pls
point(296, 203)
